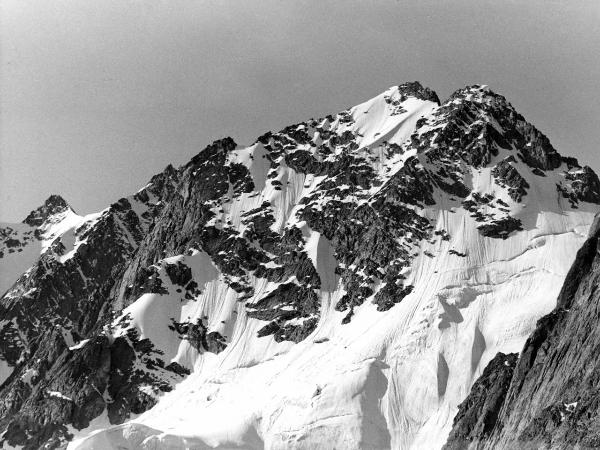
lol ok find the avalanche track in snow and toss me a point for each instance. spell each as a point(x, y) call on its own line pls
point(343, 281)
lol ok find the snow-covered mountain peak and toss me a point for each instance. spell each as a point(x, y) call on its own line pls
point(54, 204)
point(342, 280)
point(22, 244)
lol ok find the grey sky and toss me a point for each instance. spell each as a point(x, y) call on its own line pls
point(97, 96)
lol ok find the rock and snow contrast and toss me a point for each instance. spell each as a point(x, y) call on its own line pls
point(548, 397)
point(341, 283)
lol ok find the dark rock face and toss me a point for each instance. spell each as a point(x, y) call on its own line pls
point(415, 89)
point(482, 140)
point(540, 155)
point(197, 334)
point(69, 397)
point(288, 301)
point(501, 228)
point(75, 386)
point(478, 414)
point(585, 186)
point(509, 176)
point(53, 205)
point(179, 273)
point(553, 400)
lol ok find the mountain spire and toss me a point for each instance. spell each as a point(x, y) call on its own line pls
point(53, 205)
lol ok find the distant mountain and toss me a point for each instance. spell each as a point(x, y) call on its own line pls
point(341, 283)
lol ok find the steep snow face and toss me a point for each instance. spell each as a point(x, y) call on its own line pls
point(398, 247)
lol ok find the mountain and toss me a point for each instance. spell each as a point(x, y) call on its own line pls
point(344, 280)
point(548, 397)
point(22, 243)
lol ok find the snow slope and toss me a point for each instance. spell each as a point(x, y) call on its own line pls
point(385, 379)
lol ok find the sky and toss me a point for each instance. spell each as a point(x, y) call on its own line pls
point(97, 96)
